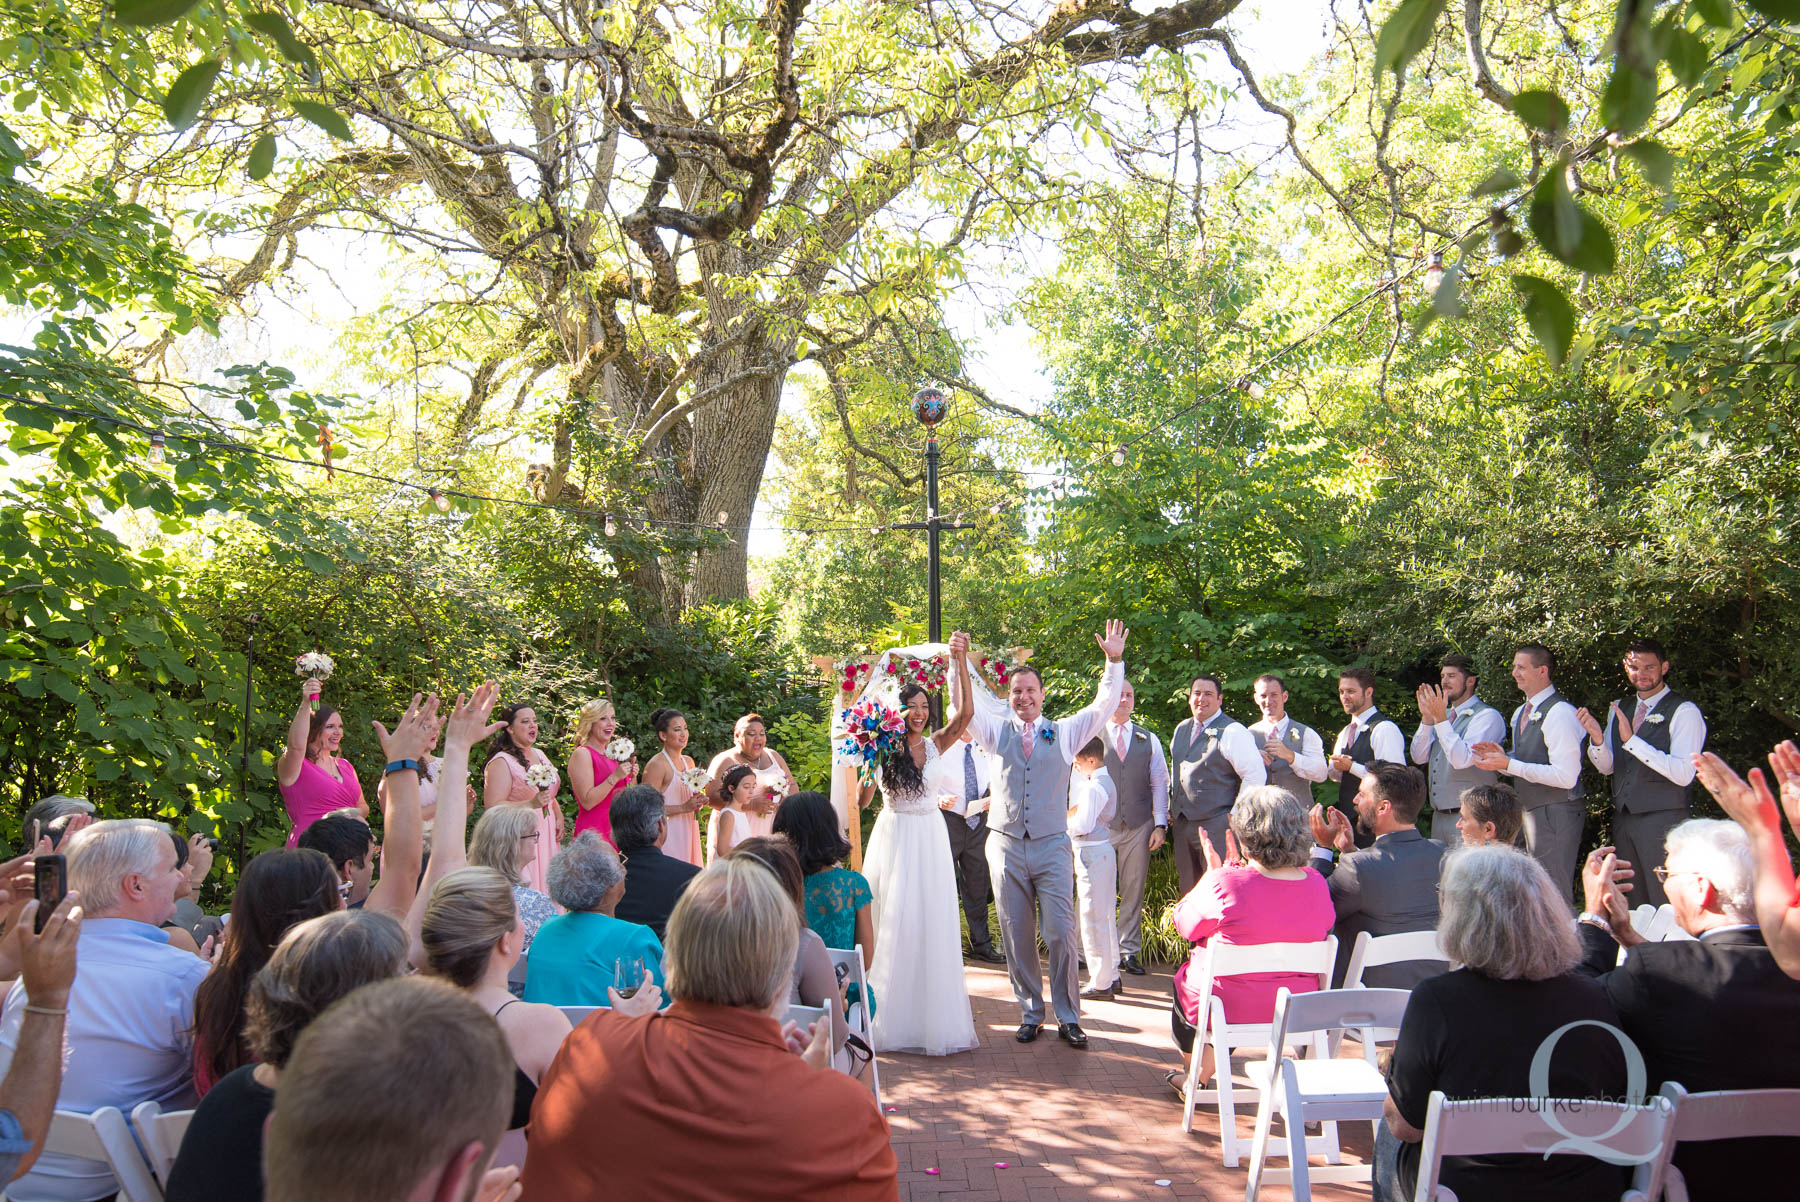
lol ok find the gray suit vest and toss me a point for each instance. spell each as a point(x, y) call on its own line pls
point(1030, 797)
point(1202, 782)
point(1530, 748)
point(1447, 783)
point(1281, 773)
point(1131, 777)
point(1636, 787)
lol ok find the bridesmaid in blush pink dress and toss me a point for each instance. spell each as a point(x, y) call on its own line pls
point(314, 779)
point(680, 803)
point(511, 755)
point(595, 777)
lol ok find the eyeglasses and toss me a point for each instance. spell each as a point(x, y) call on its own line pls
point(1663, 874)
point(344, 888)
point(531, 836)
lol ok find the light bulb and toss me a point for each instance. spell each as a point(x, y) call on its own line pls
point(158, 452)
point(612, 527)
point(1118, 457)
point(441, 500)
point(1434, 274)
point(724, 516)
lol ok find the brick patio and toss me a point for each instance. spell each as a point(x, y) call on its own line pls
point(1069, 1125)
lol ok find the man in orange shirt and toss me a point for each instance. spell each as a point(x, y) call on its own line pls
point(708, 1099)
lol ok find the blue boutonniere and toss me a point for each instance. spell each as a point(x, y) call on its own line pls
point(1048, 732)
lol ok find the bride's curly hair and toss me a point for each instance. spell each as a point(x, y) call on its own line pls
point(900, 776)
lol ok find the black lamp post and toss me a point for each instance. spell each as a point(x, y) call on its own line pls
point(930, 407)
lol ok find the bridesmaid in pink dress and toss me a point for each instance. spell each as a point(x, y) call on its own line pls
point(314, 779)
point(680, 803)
point(595, 777)
point(511, 754)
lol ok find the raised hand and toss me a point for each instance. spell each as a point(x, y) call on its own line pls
point(310, 689)
point(1621, 723)
point(1489, 755)
point(500, 1185)
point(1209, 852)
point(1321, 829)
point(47, 958)
point(200, 858)
point(1591, 724)
point(1751, 808)
point(1784, 761)
point(1432, 706)
point(1343, 835)
point(1233, 856)
point(959, 643)
point(1113, 641)
point(469, 723)
point(414, 734)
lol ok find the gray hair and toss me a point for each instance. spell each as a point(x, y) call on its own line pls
point(635, 813)
point(582, 873)
point(1719, 851)
point(102, 855)
point(732, 937)
point(1500, 915)
point(1271, 827)
point(495, 840)
point(50, 816)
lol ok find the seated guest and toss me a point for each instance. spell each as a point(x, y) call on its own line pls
point(196, 857)
point(1472, 1033)
point(45, 961)
point(277, 890)
point(55, 818)
point(399, 1092)
point(472, 936)
point(1262, 893)
point(815, 978)
point(707, 1099)
point(838, 899)
point(653, 880)
point(576, 955)
point(1752, 804)
point(349, 844)
point(505, 840)
point(173, 928)
point(1386, 888)
point(1490, 814)
point(1690, 1005)
point(129, 1032)
point(318, 961)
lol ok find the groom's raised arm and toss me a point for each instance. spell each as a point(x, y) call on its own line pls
point(1076, 731)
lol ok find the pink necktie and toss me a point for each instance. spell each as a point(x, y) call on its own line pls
point(1122, 741)
point(1637, 719)
point(1025, 733)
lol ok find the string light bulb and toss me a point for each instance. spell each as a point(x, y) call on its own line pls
point(441, 500)
point(1118, 457)
point(1434, 274)
point(724, 516)
point(159, 455)
point(612, 527)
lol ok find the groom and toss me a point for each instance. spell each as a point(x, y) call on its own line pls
point(1028, 833)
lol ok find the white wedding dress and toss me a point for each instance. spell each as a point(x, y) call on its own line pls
point(921, 1001)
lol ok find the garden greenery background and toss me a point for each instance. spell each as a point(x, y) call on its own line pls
point(1269, 443)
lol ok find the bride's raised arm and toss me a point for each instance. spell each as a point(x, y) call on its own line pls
point(961, 694)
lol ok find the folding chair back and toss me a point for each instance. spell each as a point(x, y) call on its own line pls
point(850, 969)
point(104, 1136)
point(1539, 1127)
point(160, 1134)
point(1374, 951)
point(575, 1014)
point(1720, 1114)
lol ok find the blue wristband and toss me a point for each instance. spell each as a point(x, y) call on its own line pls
point(403, 766)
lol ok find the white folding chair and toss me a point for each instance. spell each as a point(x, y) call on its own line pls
point(849, 967)
point(1535, 1126)
point(104, 1136)
point(1218, 959)
point(160, 1135)
point(1377, 951)
point(1721, 1114)
point(576, 1013)
point(1324, 1089)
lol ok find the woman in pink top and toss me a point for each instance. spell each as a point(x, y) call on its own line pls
point(594, 777)
point(1262, 893)
point(512, 754)
point(314, 780)
point(663, 773)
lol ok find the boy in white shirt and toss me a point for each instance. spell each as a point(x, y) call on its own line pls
point(1093, 802)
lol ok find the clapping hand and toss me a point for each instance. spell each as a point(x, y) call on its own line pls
point(1113, 642)
point(1489, 756)
point(1331, 829)
point(1342, 762)
point(1232, 858)
point(1591, 724)
point(1432, 706)
point(1604, 884)
point(1750, 804)
point(415, 734)
point(1622, 724)
point(1275, 749)
point(812, 1044)
point(500, 1185)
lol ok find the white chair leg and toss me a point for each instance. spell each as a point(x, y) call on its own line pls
point(1294, 1116)
point(1228, 1136)
point(1259, 1143)
point(1328, 1133)
point(1193, 1075)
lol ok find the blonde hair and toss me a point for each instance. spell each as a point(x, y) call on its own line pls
point(1500, 915)
point(470, 911)
point(590, 716)
point(732, 938)
point(495, 842)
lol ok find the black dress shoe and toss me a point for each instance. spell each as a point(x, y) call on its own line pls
point(990, 954)
point(1073, 1035)
point(1130, 964)
point(1028, 1032)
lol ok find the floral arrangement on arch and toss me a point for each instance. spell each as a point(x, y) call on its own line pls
point(932, 672)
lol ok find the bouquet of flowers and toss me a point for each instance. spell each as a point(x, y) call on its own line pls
point(620, 750)
point(871, 733)
point(540, 776)
point(314, 665)
point(696, 779)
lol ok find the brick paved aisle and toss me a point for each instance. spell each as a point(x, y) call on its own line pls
point(1070, 1125)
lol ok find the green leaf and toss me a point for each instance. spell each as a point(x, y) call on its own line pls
point(325, 117)
point(275, 27)
point(150, 12)
point(1499, 180)
point(1408, 30)
point(187, 95)
point(1541, 110)
point(1654, 160)
point(1548, 312)
point(1786, 12)
point(1446, 301)
point(1716, 13)
point(1686, 56)
point(1630, 97)
point(1569, 232)
point(262, 157)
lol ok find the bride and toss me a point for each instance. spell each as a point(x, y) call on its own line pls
point(917, 973)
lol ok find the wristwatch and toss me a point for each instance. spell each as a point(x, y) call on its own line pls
point(403, 766)
point(1594, 920)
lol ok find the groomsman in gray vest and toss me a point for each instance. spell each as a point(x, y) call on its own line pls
point(1452, 719)
point(1029, 856)
point(1545, 766)
point(1292, 754)
point(1371, 736)
point(1212, 759)
point(1650, 757)
point(1140, 773)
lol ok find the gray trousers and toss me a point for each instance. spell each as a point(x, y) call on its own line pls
point(1443, 827)
point(968, 855)
point(1553, 837)
point(1132, 847)
point(1034, 880)
point(1640, 838)
point(1190, 857)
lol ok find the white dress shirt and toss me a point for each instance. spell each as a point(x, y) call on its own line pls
point(954, 781)
point(1159, 765)
point(128, 1038)
point(1562, 742)
point(1241, 751)
point(1488, 726)
point(1309, 762)
point(1093, 800)
point(1386, 742)
point(1687, 734)
point(1072, 733)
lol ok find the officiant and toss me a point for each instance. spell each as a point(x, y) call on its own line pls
point(966, 820)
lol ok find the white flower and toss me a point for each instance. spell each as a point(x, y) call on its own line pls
point(1653, 718)
point(315, 664)
point(540, 776)
point(620, 749)
point(695, 778)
